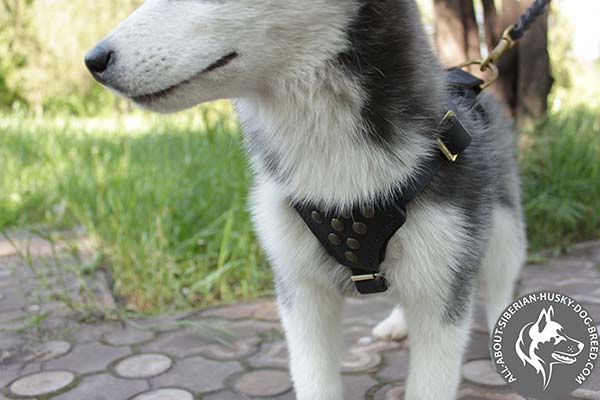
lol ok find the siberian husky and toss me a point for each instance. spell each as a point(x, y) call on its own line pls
point(340, 100)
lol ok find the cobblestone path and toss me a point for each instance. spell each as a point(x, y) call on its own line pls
point(226, 353)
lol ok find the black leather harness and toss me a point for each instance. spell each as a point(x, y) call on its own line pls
point(358, 238)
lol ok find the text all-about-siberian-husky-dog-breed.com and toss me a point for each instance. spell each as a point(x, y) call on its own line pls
point(342, 104)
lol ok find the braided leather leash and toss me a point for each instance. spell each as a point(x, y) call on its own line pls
point(508, 40)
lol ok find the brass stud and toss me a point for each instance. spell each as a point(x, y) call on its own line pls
point(317, 217)
point(347, 214)
point(337, 224)
point(335, 239)
point(367, 212)
point(350, 256)
point(359, 228)
point(353, 243)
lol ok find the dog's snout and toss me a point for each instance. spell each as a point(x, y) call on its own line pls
point(98, 59)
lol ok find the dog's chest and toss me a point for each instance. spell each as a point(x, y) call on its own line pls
point(417, 256)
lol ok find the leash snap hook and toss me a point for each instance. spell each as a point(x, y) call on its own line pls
point(491, 66)
point(506, 42)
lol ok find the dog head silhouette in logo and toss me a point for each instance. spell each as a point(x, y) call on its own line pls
point(543, 344)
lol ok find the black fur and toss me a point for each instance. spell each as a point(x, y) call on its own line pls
point(397, 88)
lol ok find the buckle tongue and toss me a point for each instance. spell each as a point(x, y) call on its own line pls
point(366, 277)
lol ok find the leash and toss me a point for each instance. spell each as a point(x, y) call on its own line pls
point(508, 40)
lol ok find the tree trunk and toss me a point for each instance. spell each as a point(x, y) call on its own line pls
point(525, 79)
point(456, 31)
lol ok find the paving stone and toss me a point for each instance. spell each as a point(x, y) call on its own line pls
point(394, 366)
point(483, 373)
point(104, 387)
point(368, 311)
point(82, 333)
point(127, 337)
point(593, 381)
point(42, 383)
point(10, 340)
point(9, 373)
point(586, 394)
point(263, 383)
point(260, 309)
point(477, 393)
point(165, 394)
point(12, 320)
point(6, 283)
point(91, 357)
point(212, 344)
point(479, 347)
point(365, 357)
point(198, 374)
point(161, 323)
point(143, 366)
point(389, 392)
point(13, 300)
point(357, 386)
point(48, 351)
point(363, 350)
point(396, 392)
point(273, 354)
point(229, 395)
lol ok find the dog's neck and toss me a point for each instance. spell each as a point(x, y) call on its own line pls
point(357, 127)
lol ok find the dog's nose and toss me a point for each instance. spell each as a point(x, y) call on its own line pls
point(98, 58)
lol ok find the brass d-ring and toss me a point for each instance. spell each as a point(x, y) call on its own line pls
point(490, 65)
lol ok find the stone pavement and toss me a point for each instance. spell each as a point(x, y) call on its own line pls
point(230, 352)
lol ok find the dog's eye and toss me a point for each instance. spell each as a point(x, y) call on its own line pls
point(558, 339)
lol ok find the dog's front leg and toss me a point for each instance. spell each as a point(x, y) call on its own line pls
point(311, 317)
point(437, 344)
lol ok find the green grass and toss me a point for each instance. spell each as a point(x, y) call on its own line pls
point(164, 198)
point(560, 160)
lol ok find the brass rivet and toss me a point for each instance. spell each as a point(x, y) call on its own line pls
point(317, 217)
point(335, 239)
point(359, 228)
point(367, 212)
point(353, 243)
point(347, 214)
point(337, 224)
point(350, 256)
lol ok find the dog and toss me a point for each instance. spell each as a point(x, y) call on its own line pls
point(543, 344)
point(339, 101)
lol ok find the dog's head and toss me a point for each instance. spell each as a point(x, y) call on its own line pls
point(544, 343)
point(173, 54)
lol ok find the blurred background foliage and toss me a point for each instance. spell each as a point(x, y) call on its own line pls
point(41, 48)
point(163, 198)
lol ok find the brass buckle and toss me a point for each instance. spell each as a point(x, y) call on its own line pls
point(366, 277)
point(449, 155)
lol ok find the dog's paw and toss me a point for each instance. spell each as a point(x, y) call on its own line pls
point(393, 327)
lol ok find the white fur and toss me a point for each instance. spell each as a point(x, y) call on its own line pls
point(502, 263)
point(393, 327)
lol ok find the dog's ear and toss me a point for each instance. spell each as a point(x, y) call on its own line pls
point(544, 318)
